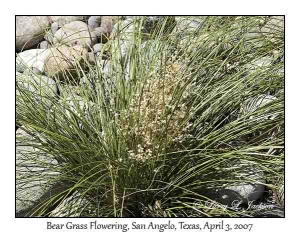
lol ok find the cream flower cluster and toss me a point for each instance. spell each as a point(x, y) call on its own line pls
point(156, 117)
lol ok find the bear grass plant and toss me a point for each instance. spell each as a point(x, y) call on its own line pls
point(160, 129)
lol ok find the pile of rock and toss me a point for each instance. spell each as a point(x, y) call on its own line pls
point(68, 39)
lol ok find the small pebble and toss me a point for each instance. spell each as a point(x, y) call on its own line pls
point(44, 44)
point(97, 47)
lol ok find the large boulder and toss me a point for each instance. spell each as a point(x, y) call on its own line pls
point(35, 89)
point(37, 84)
point(63, 62)
point(75, 33)
point(36, 180)
point(273, 25)
point(248, 187)
point(30, 30)
point(33, 58)
point(72, 206)
point(253, 104)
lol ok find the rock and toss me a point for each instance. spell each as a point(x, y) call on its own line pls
point(104, 31)
point(75, 33)
point(38, 85)
point(245, 191)
point(62, 61)
point(264, 30)
point(33, 58)
point(264, 61)
point(72, 206)
point(54, 27)
point(94, 22)
point(97, 48)
point(30, 30)
point(62, 20)
point(35, 173)
point(106, 24)
point(253, 36)
point(261, 62)
point(20, 66)
point(254, 111)
point(44, 45)
point(273, 24)
point(254, 103)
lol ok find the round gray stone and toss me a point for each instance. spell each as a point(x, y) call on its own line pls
point(94, 22)
point(44, 44)
point(33, 174)
point(75, 33)
point(33, 58)
point(39, 85)
point(250, 188)
point(97, 47)
point(30, 30)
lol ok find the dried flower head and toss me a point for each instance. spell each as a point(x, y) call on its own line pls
point(155, 117)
